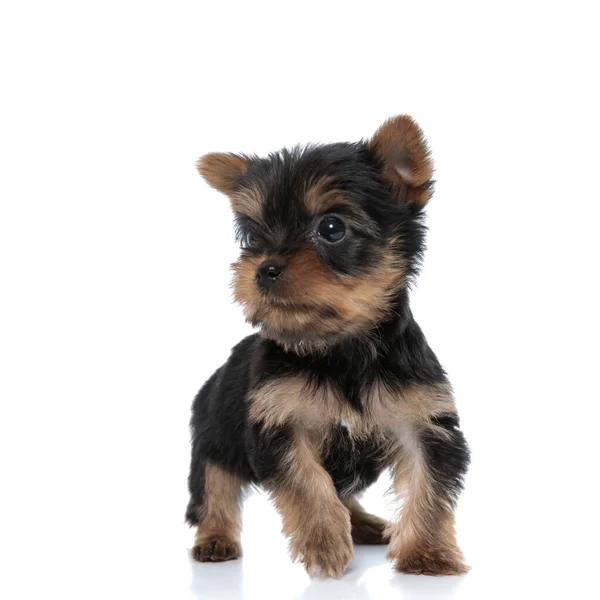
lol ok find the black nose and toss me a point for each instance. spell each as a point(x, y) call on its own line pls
point(268, 273)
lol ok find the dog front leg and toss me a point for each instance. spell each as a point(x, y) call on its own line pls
point(314, 518)
point(428, 474)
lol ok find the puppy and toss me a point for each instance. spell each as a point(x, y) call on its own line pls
point(339, 382)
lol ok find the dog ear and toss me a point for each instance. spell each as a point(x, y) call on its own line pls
point(407, 164)
point(222, 171)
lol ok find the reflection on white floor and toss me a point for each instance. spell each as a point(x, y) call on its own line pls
point(369, 576)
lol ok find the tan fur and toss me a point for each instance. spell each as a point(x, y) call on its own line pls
point(433, 552)
point(366, 528)
point(218, 533)
point(400, 143)
point(222, 171)
point(293, 400)
point(319, 196)
point(248, 201)
point(423, 540)
point(313, 517)
point(312, 302)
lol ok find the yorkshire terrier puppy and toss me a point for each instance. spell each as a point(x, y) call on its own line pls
point(339, 383)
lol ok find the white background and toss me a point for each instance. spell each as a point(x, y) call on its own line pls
point(114, 256)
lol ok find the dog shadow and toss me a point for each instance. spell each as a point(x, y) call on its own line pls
point(423, 587)
point(368, 570)
point(217, 580)
point(353, 585)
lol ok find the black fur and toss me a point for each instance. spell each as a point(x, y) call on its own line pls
point(448, 457)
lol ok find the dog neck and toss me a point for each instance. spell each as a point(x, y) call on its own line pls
point(370, 343)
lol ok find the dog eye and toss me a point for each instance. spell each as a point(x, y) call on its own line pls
point(248, 241)
point(331, 229)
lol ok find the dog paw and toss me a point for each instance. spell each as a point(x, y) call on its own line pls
point(369, 529)
point(325, 555)
point(216, 549)
point(434, 562)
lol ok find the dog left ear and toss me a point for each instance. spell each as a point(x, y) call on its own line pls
point(407, 164)
point(223, 171)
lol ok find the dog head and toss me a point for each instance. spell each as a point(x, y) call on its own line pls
point(330, 234)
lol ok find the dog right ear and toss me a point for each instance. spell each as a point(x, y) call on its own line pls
point(223, 171)
point(400, 145)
